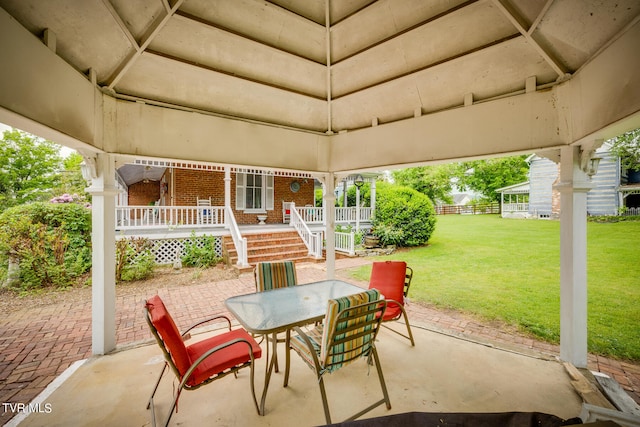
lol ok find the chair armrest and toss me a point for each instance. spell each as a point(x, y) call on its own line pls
point(186, 335)
point(309, 344)
point(202, 358)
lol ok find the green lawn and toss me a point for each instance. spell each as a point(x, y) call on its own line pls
point(509, 270)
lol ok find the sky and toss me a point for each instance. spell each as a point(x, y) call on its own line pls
point(64, 151)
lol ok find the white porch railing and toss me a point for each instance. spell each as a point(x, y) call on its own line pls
point(133, 217)
point(311, 214)
point(313, 241)
point(315, 215)
point(515, 207)
point(345, 242)
point(350, 214)
point(167, 216)
point(239, 241)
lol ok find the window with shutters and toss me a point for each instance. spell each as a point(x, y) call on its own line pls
point(254, 192)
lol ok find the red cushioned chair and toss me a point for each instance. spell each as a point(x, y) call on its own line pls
point(202, 362)
point(392, 279)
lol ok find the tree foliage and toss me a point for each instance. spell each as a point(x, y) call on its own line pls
point(71, 180)
point(434, 181)
point(627, 148)
point(486, 176)
point(29, 168)
point(403, 217)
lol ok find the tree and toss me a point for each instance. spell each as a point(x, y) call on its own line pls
point(627, 148)
point(434, 181)
point(486, 176)
point(71, 180)
point(29, 168)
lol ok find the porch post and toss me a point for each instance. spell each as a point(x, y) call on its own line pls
point(372, 196)
point(103, 240)
point(227, 188)
point(357, 209)
point(573, 188)
point(329, 198)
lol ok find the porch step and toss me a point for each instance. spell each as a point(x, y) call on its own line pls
point(270, 246)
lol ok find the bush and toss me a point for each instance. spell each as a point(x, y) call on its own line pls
point(403, 216)
point(50, 243)
point(199, 252)
point(134, 259)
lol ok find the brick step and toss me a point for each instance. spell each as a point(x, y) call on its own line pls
point(271, 251)
point(273, 246)
point(251, 244)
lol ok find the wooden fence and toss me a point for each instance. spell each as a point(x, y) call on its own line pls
point(488, 208)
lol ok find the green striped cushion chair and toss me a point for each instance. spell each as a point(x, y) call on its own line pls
point(273, 275)
point(348, 333)
point(334, 348)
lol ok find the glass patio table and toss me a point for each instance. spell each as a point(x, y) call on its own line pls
point(277, 310)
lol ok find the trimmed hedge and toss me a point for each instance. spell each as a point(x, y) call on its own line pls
point(403, 216)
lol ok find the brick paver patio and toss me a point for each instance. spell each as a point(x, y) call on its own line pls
point(37, 344)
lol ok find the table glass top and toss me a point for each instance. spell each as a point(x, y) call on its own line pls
point(280, 309)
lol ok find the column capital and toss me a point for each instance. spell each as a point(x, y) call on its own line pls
point(574, 186)
point(104, 191)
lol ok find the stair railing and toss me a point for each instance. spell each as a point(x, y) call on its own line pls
point(313, 241)
point(238, 241)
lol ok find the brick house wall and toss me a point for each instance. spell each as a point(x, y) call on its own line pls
point(189, 185)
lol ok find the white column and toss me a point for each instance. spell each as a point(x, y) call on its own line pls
point(103, 240)
point(573, 188)
point(330, 215)
point(227, 192)
point(357, 209)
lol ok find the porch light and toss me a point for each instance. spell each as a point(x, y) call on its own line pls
point(359, 181)
point(593, 166)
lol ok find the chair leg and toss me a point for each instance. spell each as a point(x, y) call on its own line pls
point(325, 404)
point(153, 393)
point(406, 321)
point(253, 388)
point(381, 378)
point(409, 335)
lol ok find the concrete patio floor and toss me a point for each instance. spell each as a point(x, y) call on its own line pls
point(440, 374)
point(456, 366)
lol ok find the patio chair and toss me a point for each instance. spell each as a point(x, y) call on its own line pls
point(348, 333)
point(392, 279)
point(202, 362)
point(205, 216)
point(286, 211)
point(274, 275)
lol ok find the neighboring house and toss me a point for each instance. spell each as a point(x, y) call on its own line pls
point(461, 199)
point(615, 190)
point(167, 202)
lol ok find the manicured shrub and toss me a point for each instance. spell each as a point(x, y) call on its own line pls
point(403, 216)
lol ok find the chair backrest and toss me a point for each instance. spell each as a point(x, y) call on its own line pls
point(204, 202)
point(273, 275)
point(168, 336)
point(389, 277)
point(350, 328)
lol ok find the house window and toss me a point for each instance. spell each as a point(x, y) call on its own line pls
point(254, 192)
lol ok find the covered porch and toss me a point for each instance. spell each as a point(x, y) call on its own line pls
point(338, 88)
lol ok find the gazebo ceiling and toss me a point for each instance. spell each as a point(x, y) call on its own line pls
point(321, 65)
